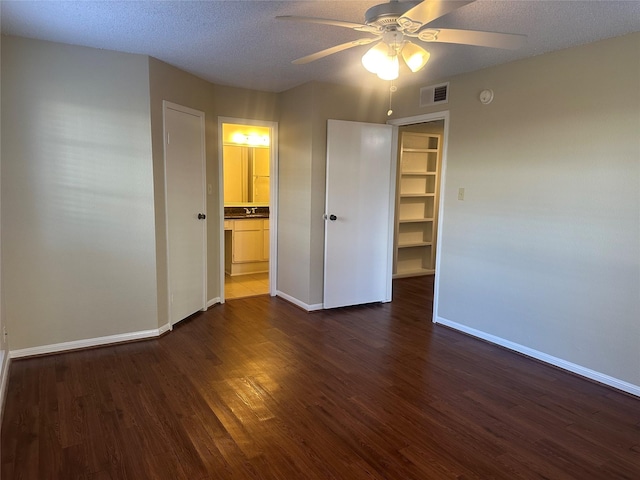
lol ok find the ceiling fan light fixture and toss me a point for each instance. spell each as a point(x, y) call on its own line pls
point(415, 56)
point(389, 68)
point(382, 60)
point(393, 23)
point(375, 56)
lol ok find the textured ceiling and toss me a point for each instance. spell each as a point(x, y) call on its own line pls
point(240, 43)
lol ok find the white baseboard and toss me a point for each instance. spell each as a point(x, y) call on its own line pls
point(89, 342)
point(164, 329)
point(295, 301)
point(4, 381)
point(213, 301)
point(557, 362)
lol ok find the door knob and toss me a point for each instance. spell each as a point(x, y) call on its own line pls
point(201, 216)
point(333, 218)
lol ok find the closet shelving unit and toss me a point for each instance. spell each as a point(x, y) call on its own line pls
point(417, 204)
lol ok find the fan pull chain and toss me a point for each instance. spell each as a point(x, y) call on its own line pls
point(392, 89)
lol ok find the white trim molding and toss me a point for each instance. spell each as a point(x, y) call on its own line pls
point(273, 197)
point(163, 329)
point(89, 342)
point(4, 382)
point(298, 303)
point(213, 302)
point(424, 118)
point(543, 357)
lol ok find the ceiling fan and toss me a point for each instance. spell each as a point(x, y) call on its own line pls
point(396, 26)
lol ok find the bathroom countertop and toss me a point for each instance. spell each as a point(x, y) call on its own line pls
point(238, 213)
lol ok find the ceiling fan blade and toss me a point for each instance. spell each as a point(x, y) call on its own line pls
point(332, 50)
point(429, 10)
point(507, 41)
point(326, 21)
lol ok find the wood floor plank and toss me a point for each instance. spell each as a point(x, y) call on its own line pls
point(257, 389)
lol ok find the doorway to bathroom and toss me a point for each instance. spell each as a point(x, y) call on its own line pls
point(247, 195)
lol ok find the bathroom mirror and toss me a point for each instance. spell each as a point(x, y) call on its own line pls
point(246, 175)
point(246, 166)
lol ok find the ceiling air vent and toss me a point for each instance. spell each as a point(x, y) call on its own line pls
point(434, 94)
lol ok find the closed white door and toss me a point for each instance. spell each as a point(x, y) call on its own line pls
point(359, 214)
point(186, 210)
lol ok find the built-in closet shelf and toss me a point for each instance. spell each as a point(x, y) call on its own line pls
point(417, 244)
point(415, 220)
point(421, 150)
point(417, 204)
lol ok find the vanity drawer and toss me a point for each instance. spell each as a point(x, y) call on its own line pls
point(244, 225)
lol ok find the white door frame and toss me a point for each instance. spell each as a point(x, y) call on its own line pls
point(429, 117)
point(174, 106)
point(273, 197)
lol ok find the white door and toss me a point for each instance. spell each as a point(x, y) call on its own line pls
point(359, 214)
point(186, 210)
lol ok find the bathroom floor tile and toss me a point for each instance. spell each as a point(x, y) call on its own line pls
point(246, 285)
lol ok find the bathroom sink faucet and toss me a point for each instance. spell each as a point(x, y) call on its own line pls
point(250, 210)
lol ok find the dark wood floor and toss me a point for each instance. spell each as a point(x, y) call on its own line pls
point(258, 389)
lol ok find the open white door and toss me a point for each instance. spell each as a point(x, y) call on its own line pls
point(359, 211)
point(186, 210)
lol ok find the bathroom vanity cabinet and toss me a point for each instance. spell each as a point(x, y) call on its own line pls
point(247, 246)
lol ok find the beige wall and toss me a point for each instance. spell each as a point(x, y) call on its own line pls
point(294, 193)
point(78, 232)
point(86, 243)
point(174, 85)
point(304, 112)
point(544, 251)
point(169, 83)
point(4, 345)
point(243, 103)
